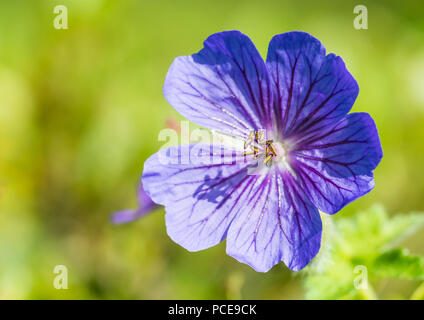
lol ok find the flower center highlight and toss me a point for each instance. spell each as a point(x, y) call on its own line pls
point(260, 147)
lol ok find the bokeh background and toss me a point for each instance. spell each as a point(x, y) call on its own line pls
point(80, 111)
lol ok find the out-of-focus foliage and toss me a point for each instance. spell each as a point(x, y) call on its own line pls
point(81, 110)
point(361, 248)
point(398, 263)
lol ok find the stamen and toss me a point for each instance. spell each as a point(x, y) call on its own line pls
point(260, 147)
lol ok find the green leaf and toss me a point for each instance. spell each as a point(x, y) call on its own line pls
point(398, 263)
point(372, 231)
point(363, 239)
point(333, 283)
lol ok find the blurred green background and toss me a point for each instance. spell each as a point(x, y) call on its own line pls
point(80, 110)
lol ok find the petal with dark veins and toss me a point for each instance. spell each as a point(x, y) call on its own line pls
point(336, 166)
point(312, 89)
point(225, 86)
point(201, 196)
point(279, 224)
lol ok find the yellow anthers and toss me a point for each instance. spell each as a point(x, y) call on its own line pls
point(270, 147)
point(247, 153)
point(260, 147)
point(268, 160)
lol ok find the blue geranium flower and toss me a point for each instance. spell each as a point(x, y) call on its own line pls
point(291, 112)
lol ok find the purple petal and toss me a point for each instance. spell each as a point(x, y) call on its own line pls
point(201, 194)
point(278, 224)
point(144, 201)
point(145, 206)
point(312, 90)
point(128, 215)
point(225, 86)
point(336, 167)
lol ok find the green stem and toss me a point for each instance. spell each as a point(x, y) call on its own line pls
point(418, 294)
point(234, 285)
point(368, 294)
